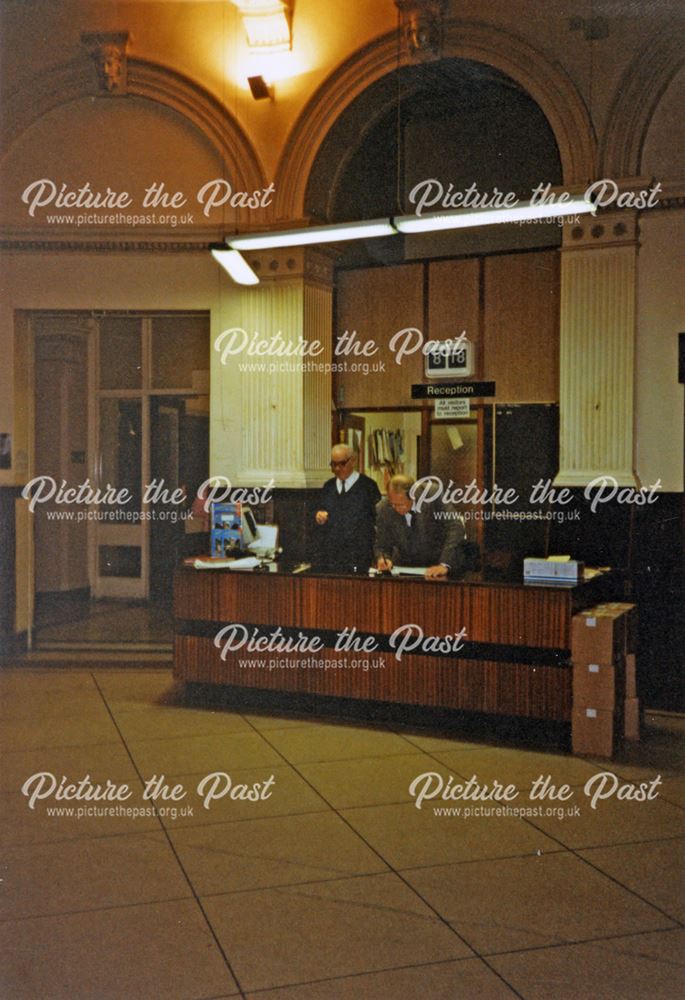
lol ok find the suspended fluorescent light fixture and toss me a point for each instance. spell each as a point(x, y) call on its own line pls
point(466, 218)
point(459, 218)
point(369, 229)
point(235, 264)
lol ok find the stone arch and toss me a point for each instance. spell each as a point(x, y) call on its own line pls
point(547, 83)
point(637, 97)
point(76, 80)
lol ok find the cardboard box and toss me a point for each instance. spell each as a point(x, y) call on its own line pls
point(631, 719)
point(597, 636)
point(601, 685)
point(629, 613)
point(594, 731)
point(631, 676)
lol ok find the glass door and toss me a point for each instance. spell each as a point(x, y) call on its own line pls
point(120, 531)
point(151, 420)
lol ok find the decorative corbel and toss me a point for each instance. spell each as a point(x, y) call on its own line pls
point(108, 51)
point(422, 26)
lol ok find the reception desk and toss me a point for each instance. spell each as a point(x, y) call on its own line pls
point(513, 657)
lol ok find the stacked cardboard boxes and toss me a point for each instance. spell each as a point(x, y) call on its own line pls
point(605, 704)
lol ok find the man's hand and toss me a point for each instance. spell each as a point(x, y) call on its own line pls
point(383, 564)
point(321, 516)
point(435, 572)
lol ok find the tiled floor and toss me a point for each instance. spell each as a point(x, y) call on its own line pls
point(320, 879)
point(102, 624)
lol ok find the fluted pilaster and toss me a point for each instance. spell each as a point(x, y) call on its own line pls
point(597, 352)
point(272, 411)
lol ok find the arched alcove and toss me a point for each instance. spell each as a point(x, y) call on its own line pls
point(426, 131)
point(122, 145)
point(154, 92)
point(545, 82)
point(637, 98)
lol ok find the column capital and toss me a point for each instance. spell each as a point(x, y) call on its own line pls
point(313, 265)
point(606, 229)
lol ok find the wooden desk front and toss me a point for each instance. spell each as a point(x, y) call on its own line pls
point(515, 660)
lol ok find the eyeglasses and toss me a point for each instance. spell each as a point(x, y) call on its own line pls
point(339, 465)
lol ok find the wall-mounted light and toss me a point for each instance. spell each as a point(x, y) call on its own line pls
point(267, 24)
point(260, 89)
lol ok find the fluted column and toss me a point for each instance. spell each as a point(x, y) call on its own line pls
point(597, 351)
point(271, 408)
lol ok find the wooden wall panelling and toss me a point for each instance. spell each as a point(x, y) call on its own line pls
point(521, 335)
point(377, 302)
point(453, 302)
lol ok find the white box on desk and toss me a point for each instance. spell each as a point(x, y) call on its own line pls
point(552, 569)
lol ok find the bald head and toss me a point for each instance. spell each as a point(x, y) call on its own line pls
point(342, 461)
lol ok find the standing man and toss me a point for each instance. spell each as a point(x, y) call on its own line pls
point(346, 516)
point(409, 537)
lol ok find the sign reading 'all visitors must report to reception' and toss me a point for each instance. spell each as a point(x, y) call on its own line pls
point(453, 390)
point(452, 409)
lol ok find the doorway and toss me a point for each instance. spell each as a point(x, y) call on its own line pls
point(121, 405)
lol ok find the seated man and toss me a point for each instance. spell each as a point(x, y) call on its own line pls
point(409, 537)
point(346, 516)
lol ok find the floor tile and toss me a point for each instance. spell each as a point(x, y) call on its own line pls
point(673, 791)
point(328, 929)
point(321, 743)
point(75, 875)
point(531, 902)
point(287, 795)
point(406, 836)
point(252, 854)
point(109, 620)
point(202, 754)
point(656, 871)
point(143, 952)
point(665, 722)
point(101, 761)
point(23, 825)
point(132, 688)
point(639, 967)
point(73, 730)
point(516, 767)
point(27, 682)
point(175, 722)
point(660, 750)
point(47, 703)
point(614, 822)
point(467, 978)
point(376, 780)
point(430, 742)
point(265, 722)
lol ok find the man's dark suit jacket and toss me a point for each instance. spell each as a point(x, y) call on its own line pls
point(429, 542)
point(345, 543)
